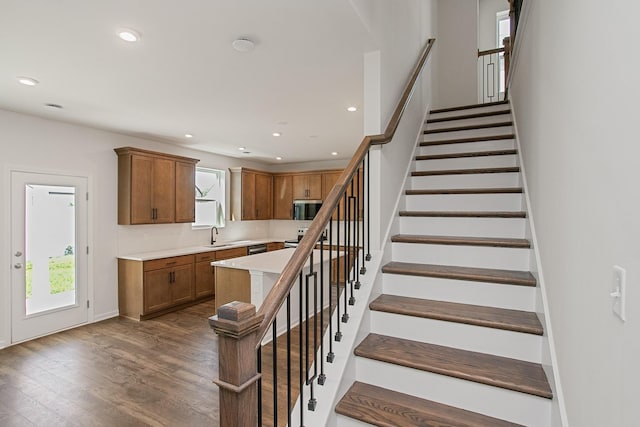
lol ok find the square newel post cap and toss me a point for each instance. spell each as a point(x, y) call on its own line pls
point(236, 319)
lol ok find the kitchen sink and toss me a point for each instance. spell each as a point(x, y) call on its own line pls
point(223, 245)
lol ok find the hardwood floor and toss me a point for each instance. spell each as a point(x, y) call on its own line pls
point(115, 373)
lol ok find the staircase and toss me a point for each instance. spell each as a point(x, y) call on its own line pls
point(454, 339)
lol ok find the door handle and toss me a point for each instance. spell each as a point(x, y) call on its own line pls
point(17, 266)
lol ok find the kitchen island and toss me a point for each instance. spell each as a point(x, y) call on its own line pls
point(250, 278)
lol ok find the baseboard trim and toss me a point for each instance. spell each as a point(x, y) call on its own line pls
point(105, 316)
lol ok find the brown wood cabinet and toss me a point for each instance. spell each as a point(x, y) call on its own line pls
point(307, 186)
point(275, 246)
point(252, 194)
point(227, 279)
point(154, 188)
point(282, 197)
point(329, 179)
point(205, 275)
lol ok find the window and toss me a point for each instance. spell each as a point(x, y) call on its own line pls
point(503, 26)
point(210, 192)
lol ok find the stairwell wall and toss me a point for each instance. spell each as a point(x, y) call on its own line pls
point(570, 93)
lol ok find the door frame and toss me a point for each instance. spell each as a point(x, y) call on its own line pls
point(6, 290)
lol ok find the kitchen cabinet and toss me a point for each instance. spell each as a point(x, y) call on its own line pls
point(329, 179)
point(150, 288)
point(228, 280)
point(154, 188)
point(251, 194)
point(275, 246)
point(307, 186)
point(205, 275)
point(282, 197)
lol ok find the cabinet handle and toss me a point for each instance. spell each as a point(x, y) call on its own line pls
point(170, 277)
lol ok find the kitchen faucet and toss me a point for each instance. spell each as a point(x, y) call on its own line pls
point(213, 239)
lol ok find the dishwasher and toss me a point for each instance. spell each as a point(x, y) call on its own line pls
point(257, 249)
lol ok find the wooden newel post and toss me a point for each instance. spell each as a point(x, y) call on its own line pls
point(236, 324)
point(507, 58)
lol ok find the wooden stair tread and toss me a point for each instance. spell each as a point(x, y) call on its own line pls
point(477, 315)
point(509, 169)
point(474, 274)
point(511, 374)
point(467, 107)
point(511, 190)
point(470, 116)
point(387, 408)
point(467, 154)
point(465, 214)
point(502, 242)
point(471, 139)
point(468, 127)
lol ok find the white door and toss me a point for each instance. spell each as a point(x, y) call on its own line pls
point(48, 253)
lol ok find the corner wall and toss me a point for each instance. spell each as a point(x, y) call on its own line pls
point(574, 93)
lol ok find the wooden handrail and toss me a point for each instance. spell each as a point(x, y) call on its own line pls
point(278, 294)
point(490, 51)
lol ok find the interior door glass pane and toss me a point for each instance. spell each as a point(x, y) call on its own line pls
point(50, 249)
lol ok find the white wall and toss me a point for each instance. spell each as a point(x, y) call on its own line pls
point(574, 93)
point(487, 28)
point(32, 143)
point(457, 55)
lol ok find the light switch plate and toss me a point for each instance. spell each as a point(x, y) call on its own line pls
point(619, 292)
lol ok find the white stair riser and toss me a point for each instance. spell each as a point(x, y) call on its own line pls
point(440, 136)
point(467, 256)
point(516, 345)
point(521, 408)
point(467, 122)
point(474, 227)
point(477, 180)
point(465, 202)
point(514, 297)
point(467, 163)
point(467, 147)
point(478, 109)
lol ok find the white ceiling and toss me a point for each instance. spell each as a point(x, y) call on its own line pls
point(184, 77)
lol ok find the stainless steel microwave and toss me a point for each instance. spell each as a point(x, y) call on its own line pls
point(306, 209)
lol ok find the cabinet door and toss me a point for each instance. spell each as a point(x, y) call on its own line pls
point(141, 194)
point(164, 190)
point(282, 197)
point(329, 179)
point(205, 279)
point(314, 187)
point(185, 192)
point(157, 290)
point(248, 195)
point(263, 196)
point(182, 287)
point(299, 183)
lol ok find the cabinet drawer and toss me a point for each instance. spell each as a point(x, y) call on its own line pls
point(231, 253)
point(206, 256)
point(167, 262)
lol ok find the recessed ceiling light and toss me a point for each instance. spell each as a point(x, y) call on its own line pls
point(352, 109)
point(241, 148)
point(243, 45)
point(276, 134)
point(27, 81)
point(188, 135)
point(129, 35)
point(278, 158)
point(56, 106)
point(334, 153)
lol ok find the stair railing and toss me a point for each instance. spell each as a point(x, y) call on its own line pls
point(493, 71)
point(270, 357)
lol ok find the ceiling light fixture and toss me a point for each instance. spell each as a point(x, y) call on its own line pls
point(276, 134)
point(352, 109)
point(129, 35)
point(243, 45)
point(278, 158)
point(334, 153)
point(241, 148)
point(188, 135)
point(27, 81)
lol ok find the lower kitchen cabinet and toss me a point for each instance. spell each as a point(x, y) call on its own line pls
point(205, 274)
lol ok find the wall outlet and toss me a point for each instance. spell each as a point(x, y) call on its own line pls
point(618, 292)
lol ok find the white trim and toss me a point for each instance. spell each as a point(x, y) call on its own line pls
point(553, 370)
point(104, 316)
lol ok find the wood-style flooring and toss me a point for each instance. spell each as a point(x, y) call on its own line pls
point(115, 373)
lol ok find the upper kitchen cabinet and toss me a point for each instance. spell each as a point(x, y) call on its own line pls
point(307, 186)
point(282, 197)
point(154, 188)
point(251, 194)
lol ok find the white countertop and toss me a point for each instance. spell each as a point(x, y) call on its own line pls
point(270, 262)
point(167, 253)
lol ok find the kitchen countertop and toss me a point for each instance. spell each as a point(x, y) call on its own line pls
point(167, 253)
point(269, 262)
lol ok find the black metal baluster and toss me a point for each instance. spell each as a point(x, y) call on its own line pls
point(322, 378)
point(345, 245)
point(368, 202)
point(356, 225)
point(274, 359)
point(350, 241)
point(302, 375)
point(310, 380)
point(289, 359)
point(331, 355)
point(363, 270)
point(338, 335)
